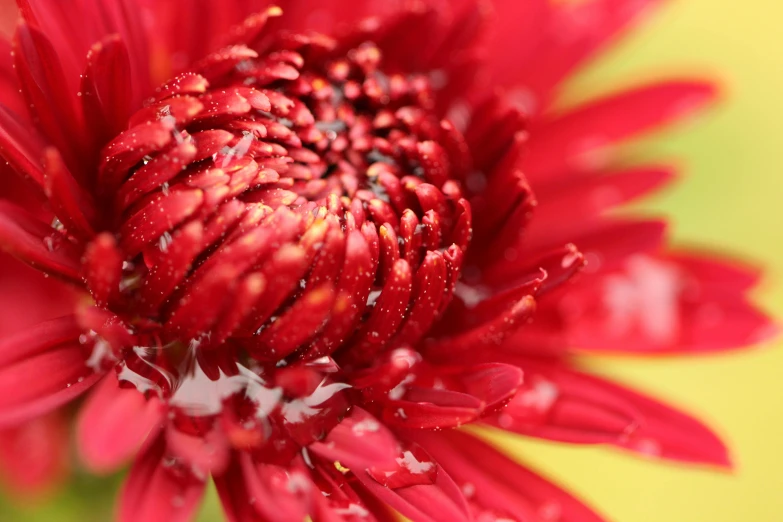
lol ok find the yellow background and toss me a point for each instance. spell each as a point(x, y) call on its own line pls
point(730, 199)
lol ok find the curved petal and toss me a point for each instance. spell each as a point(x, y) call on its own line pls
point(26, 237)
point(37, 339)
point(34, 455)
point(359, 442)
point(41, 383)
point(113, 424)
point(233, 494)
point(654, 304)
point(563, 404)
point(497, 487)
point(451, 396)
point(418, 488)
point(29, 297)
point(574, 139)
point(159, 489)
point(561, 36)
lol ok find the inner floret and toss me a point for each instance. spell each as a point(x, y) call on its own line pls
point(285, 218)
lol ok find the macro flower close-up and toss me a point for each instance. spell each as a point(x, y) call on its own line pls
point(310, 252)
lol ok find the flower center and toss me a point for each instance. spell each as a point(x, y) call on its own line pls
point(287, 213)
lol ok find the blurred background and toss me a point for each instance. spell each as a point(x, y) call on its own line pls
point(729, 199)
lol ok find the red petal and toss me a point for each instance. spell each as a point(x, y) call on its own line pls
point(161, 169)
point(597, 241)
point(72, 204)
point(564, 404)
point(42, 382)
point(129, 148)
point(29, 297)
point(555, 403)
point(234, 495)
point(113, 424)
point(169, 271)
point(107, 89)
point(424, 502)
point(351, 294)
point(278, 494)
point(37, 339)
point(588, 196)
point(34, 456)
point(484, 336)
point(45, 88)
point(36, 243)
point(359, 442)
point(159, 490)
point(497, 487)
point(20, 146)
point(102, 268)
point(568, 141)
point(300, 322)
point(162, 213)
point(454, 396)
point(655, 304)
point(206, 453)
point(558, 38)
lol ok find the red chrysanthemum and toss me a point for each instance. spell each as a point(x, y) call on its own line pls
point(300, 258)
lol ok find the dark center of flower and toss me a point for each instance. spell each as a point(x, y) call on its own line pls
point(286, 213)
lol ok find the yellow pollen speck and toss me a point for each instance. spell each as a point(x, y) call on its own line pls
point(274, 10)
point(342, 303)
point(342, 469)
point(319, 295)
point(319, 84)
point(255, 283)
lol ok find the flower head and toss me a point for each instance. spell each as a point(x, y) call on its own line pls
point(304, 257)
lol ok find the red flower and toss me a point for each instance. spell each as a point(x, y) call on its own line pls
point(303, 258)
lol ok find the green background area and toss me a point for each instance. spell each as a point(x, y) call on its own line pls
point(730, 199)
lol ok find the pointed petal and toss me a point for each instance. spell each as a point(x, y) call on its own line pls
point(279, 494)
point(21, 146)
point(589, 196)
point(556, 403)
point(234, 496)
point(563, 404)
point(40, 383)
point(358, 442)
point(107, 89)
point(658, 304)
point(574, 139)
point(44, 86)
point(562, 37)
point(113, 424)
point(72, 205)
point(454, 396)
point(37, 339)
point(498, 487)
point(429, 500)
point(27, 238)
point(159, 490)
point(34, 455)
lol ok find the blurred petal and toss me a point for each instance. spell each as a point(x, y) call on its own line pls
point(497, 487)
point(159, 489)
point(113, 424)
point(34, 455)
point(562, 404)
point(577, 138)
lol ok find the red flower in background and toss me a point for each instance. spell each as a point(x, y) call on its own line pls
point(300, 257)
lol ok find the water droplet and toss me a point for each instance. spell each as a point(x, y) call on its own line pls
point(298, 410)
point(414, 467)
point(164, 242)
